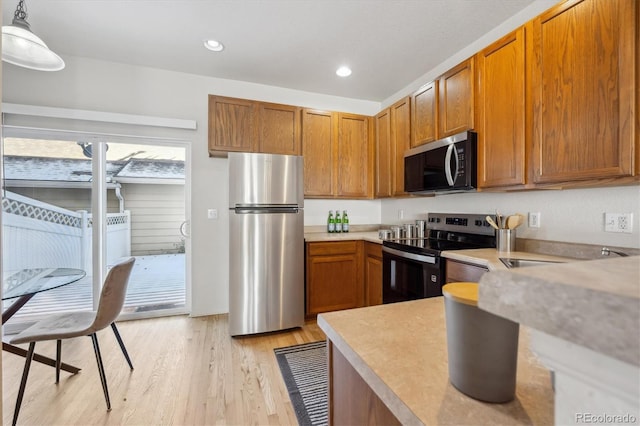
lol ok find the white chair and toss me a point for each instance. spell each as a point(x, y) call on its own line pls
point(74, 324)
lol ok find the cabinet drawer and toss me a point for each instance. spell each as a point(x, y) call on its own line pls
point(333, 247)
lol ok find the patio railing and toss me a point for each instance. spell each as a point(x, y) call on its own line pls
point(38, 234)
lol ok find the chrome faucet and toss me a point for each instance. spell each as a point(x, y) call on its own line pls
point(606, 251)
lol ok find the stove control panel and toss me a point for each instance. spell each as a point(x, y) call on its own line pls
point(460, 222)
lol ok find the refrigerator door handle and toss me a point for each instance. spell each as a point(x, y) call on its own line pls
point(266, 210)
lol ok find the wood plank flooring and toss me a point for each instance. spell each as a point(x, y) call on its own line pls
point(188, 371)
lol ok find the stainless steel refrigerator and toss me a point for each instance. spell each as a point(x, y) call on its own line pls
point(266, 243)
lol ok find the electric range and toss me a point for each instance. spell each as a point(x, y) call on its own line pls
point(413, 268)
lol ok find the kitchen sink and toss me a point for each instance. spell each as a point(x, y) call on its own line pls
point(511, 262)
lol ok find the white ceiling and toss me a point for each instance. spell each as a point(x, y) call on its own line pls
point(296, 44)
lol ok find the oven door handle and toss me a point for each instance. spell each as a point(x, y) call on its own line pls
point(411, 256)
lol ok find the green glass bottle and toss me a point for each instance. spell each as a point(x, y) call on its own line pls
point(331, 224)
point(345, 221)
point(338, 222)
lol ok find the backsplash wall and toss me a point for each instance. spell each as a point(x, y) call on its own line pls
point(570, 215)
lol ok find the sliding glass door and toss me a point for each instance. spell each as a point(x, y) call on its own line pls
point(87, 204)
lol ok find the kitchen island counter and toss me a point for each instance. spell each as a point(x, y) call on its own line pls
point(595, 304)
point(400, 352)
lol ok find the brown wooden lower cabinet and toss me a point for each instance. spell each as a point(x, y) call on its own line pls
point(373, 273)
point(351, 400)
point(342, 275)
point(463, 272)
point(334, 276)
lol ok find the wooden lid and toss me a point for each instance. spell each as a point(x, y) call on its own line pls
point(465, 292)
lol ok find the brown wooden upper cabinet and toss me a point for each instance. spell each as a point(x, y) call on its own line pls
point(400, 141)
point(583, 90)
point(445, 106)
point(393, 136)
point(456, 99)
point(354, 168)
point(319, 133)
point(279, 129)
point(251, 126)
point(231, 125)
point(500, 109)
point(338, 155)
point(424, 115)
point(384, 156)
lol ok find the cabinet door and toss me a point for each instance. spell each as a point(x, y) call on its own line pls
point(354, 165)
point(334, 276)
point(400, 141)
point(583, 90)
point(318, 149)
point(279, 129)
point(373, 273)
point(501, 112)
point(424, 114)
point(384, 157)
point(456, 99)
point(232, 125)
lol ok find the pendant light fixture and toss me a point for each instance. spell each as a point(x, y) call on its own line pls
point(23, 48)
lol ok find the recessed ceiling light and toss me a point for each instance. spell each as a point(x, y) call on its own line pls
point(214, 45)
point(343, 71)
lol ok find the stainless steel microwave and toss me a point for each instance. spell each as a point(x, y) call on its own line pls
point(446, 165)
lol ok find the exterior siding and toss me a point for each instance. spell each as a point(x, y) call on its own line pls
point(157, 211)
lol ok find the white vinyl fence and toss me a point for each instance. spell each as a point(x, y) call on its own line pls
point(41, 235)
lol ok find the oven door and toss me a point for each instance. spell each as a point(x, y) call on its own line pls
point(409, 276)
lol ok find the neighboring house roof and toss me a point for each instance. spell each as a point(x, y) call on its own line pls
point(77, 170)
point(160, 169)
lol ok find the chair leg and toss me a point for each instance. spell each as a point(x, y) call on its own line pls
point(119, 339)
point(103, 377)
point(23, 382)
point(58, 359)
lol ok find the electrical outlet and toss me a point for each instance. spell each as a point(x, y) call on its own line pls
point(618, 222)
point(212, 214)
point(534, 220)
point(400, 214)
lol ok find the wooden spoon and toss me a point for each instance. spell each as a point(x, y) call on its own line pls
point(514, 221)
point(491, 222)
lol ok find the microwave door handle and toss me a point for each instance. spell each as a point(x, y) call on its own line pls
point(447, 165)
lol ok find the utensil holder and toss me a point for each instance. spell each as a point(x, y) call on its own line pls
point(506, 240)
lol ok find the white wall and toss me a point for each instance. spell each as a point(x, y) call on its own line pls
point(361, 212)
point(102, 86)
point(571, 215)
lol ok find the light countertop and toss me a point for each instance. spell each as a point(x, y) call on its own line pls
point(400, 351)
point(594, 303)
point(490, 257)
point(371, 236)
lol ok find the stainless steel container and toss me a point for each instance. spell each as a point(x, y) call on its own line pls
point(421, 226)
point(385, 234)
point(409, 230)
point(397, 232)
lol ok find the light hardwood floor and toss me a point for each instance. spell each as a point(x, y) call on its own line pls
point(188, 371)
